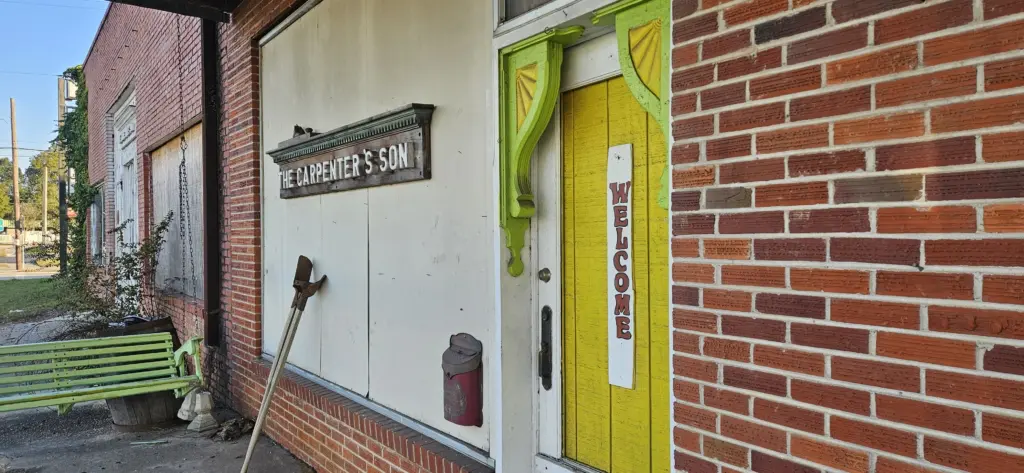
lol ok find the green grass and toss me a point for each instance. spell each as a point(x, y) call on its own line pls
point(31, 296)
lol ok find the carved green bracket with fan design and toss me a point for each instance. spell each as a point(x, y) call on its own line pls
point(644, 32)
point(530, 75)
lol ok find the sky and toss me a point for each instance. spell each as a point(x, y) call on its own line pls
point(39, 39)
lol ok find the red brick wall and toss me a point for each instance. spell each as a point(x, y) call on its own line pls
point(139, 47)
point(848, 214)
point(319, 426)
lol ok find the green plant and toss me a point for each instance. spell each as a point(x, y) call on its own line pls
point(75, 282)
point(73, 140)
point(124, 286)
point(134, 269)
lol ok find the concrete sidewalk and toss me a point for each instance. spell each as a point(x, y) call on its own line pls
point(9, 274)
point(84, 441)
point(30, 271)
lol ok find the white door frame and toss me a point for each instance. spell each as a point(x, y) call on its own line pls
point(124, 203)
point(586, 63)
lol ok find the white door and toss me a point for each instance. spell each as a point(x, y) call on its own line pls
point(126, 178)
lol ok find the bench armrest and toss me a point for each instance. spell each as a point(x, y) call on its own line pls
point(192, 348)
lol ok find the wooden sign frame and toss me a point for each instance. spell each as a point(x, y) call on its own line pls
point(389, 148)
point(621, 286)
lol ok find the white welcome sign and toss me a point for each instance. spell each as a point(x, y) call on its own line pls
point(620, 266)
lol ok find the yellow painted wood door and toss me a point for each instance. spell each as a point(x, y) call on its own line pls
point(610, 428)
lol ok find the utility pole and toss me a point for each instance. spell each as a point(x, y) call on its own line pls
point(46, 202)
point(62, 191)
point(62, 106)
point(62, 194)
point(19, 257)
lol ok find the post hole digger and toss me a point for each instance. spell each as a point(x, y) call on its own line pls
point(304, 289)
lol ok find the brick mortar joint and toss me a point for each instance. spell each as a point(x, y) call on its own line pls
point(922, 107)
point(787, 455)
point(831, 27)
point(949, 336)
point(824, 437)
point(832, 353)
point(919, 69)
point(369, 420)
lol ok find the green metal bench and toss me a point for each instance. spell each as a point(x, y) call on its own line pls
point(65, 373)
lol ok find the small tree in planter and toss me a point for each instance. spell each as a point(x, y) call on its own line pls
point(124, 286)
point(134, 271)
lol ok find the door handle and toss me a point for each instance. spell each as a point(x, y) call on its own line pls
point(545, 367)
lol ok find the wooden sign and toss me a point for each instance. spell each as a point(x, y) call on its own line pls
point(621, 340)
point(386, 149)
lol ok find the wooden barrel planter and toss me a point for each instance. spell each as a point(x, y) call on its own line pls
point(144, 410)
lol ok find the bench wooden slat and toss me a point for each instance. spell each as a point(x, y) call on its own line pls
point(88, 390)
point(124, 361)
point(94, 394)
point(65, 373)
point(79, 353)
point(81, 373)
point(95, 381)
point(90, 343)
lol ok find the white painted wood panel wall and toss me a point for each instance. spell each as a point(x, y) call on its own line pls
point(173, 271)
point(408, 264)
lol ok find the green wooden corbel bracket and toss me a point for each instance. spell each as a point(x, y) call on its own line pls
point(192, 348)
point(643, 29)
point(530, 76)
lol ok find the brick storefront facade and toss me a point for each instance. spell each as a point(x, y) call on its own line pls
point(138, 46)
point(847, 235)
point(136, 49)
point(847, 222)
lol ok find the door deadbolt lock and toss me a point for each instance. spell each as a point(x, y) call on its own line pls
point(544, 275)
point(545, 368)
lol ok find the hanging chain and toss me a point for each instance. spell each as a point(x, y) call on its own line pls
point(184, 206)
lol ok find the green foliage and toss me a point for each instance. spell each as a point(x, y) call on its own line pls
point(7, 192)
point(134, 268)
point(73, 139)
point(123, 287)
point(32, 190)
point(45, 255)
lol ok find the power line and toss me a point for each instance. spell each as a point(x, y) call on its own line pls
point(51, 5)
point(23, 149)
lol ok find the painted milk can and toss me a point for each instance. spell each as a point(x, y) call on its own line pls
point(463, 380)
